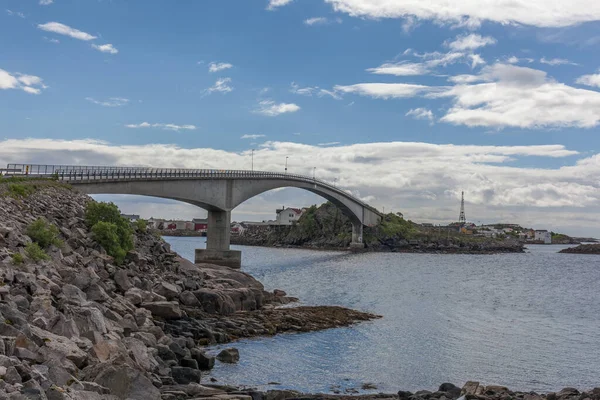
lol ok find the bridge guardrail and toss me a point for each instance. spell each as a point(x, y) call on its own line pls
point(71, 173)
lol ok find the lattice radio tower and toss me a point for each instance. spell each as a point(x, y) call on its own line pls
point(461, 218)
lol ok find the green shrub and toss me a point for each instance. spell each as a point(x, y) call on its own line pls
point(394, 225)
point(19, 190)
point(110, 230)
point(107, 235)
point(18, 258)
point(35, 252)
point(141, 225)
point(43, 233)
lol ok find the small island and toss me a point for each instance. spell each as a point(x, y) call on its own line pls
point(583, 249)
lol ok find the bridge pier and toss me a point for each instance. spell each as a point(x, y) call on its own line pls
point(218, 238)
point(357, 236)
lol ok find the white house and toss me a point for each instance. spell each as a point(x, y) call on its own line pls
point(543, 236)
point(287, 216)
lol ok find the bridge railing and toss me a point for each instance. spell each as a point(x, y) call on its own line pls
point(74, 173)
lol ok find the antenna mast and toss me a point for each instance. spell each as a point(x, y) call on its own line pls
point(462, 219)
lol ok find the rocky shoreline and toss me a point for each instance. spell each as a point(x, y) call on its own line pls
point(583, 249)
point(75, 324)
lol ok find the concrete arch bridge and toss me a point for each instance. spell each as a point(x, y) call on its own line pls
point(217, 191)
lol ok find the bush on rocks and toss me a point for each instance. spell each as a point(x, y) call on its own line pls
point(43, 233)
point(18, 190)
point(35, 252)
point(110, 230)
point(17, 258)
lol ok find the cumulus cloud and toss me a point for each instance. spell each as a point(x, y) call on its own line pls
point(589, 80)
point(274, 4)
point(470, 42)
point(62, 29)
point(216, 67)
point(272, 109)
point(420, 113)
point(422, 180)
point(222, 85)
point(470, 13)
point(106, 48)
point(252, 136)
point(29, 83)
point(167, 127)
point(111, 102)
point(501, 95)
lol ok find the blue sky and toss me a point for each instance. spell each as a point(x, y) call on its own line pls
point(324, 82)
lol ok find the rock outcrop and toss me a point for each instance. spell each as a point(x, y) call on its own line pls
point(78, 326)
point(583, 249)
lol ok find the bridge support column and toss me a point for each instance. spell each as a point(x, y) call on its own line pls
point(218, 237)
point(357, 236)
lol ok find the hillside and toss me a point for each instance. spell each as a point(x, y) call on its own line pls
point(326, 227)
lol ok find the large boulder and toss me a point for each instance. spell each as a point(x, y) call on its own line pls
point(231, 355)
point(185, 375)
point(127, 383)
point(167, 290)
point(164, 309)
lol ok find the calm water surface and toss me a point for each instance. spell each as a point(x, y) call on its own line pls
point(528, 321)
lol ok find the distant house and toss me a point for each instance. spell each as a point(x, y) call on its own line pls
point(287, 216)
point(543, 236)
point(200, 224)
point(237, 228)
point(131, 217)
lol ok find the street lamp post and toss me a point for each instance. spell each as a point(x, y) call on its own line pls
point(252, 160)
point(334, 181)
point(286, 157)
point(314, 170)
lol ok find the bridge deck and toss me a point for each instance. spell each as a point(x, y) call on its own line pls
point(93, 174)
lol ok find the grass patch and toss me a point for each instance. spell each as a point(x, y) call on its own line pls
point(141, 225)
point(35, 252)
point(17, 259)
point(18, 190)
point(43, 233)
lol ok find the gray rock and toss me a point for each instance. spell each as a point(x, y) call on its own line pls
point(12, 376)
point(184, 375)
point(127, 383)
point(164, 309)
point(189, 363)
point(167, 290)
point(231, 355)
point(122, 280)
point(95, 293)
point(205, 362)
point(187, 298)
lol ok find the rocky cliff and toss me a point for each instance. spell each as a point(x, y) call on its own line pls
point(76, 325)
point(325, 227)
point(583, 249)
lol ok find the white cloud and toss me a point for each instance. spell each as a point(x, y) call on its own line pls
point(111, 102)
point(557, 61)
point(512, 60)
point(216, 67)
point(51, 40)
point(29, 83)
point(470, 42)
point(106, 48)
point(422, 180)
point(328, 144)
point(384, 90)
point(46, 2)
point(63, 29)
point(221, 85)
point(315, 21)
point(167, 127)
point(309, 91)
point(476, 60)
point(402, 68)
point(589, 80)
point(272, 109)
point(420, 113)
point(18, 14)
point(502, 95)
point(273, 4)
point(470, 13)
point(252, 136)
